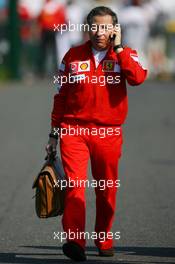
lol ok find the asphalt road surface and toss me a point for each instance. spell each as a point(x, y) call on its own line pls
point(145, 215)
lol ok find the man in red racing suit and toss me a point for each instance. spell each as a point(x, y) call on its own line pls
point(93, 97)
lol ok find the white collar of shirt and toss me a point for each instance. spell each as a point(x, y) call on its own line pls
point(99, 55)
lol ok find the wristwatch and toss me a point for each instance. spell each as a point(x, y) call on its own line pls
point(117, 47)
point(54, 133)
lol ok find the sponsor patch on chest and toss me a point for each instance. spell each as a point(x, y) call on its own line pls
point(80, 66)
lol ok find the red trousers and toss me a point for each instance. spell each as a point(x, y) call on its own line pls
point(104, 153)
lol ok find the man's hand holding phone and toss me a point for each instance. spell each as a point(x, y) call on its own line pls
point(116, 38)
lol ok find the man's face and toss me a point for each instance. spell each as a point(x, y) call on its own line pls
point(100, 31)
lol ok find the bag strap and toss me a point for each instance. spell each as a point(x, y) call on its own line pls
point(50, 159)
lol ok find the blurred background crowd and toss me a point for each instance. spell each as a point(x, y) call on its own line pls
point(31, 48)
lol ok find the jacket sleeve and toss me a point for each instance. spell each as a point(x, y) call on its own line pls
point(59, 101)
point(132, 70)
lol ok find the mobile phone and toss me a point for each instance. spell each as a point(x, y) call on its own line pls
point(112, 38)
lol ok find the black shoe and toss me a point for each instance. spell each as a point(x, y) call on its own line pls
point(74, 251)
point(106, 252)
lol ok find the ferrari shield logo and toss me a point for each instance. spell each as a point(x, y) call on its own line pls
point(108, 65)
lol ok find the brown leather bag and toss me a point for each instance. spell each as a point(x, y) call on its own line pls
point(49, 197)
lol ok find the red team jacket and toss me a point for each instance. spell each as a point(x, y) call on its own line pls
point(85, 96)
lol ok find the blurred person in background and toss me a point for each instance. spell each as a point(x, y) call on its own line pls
point(136, 17)
point(70, 37)
point(113, 4)
point(162, 43)
point(4, 45)
point(3, 10)
point(75, 15)
point(80, 8)
point(52, 13)
point(30, 36)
